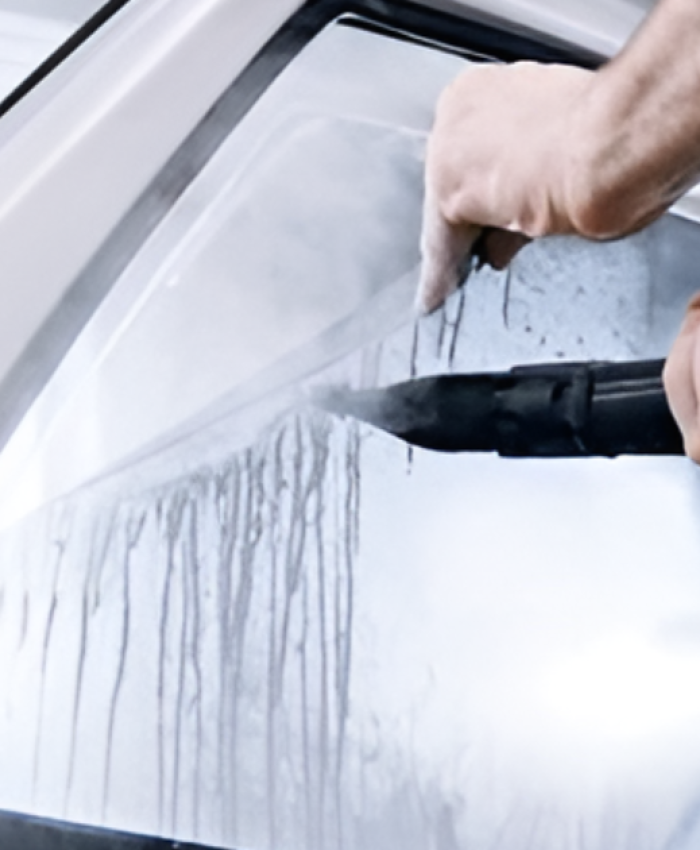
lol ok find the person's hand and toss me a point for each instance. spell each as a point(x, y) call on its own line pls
point(682, 379)
point(499, 157)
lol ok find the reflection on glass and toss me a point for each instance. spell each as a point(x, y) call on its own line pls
point(31, 30)
point(263, 627)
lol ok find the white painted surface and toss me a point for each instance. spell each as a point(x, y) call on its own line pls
point(76, 153)
point(25, 42)
point(74, 12)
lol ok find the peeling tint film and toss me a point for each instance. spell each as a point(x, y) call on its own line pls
point(266, 628)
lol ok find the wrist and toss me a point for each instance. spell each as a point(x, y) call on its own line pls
point(634, 137)
point(600, 172)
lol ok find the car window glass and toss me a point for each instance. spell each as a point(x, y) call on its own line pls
point(286, 629)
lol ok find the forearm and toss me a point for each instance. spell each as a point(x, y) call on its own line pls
point(540, 149)
point(636, 138)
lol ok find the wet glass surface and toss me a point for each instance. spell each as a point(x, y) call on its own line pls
point(257, 626)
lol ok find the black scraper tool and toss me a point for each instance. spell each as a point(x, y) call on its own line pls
point(549, 410)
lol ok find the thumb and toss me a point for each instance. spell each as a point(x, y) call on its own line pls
point(681, 378)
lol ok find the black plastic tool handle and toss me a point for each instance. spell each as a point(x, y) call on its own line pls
point(587, 409)
point(548, 410)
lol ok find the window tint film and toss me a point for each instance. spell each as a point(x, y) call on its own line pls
point(231, 618)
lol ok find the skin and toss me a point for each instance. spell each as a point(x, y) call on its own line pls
point(526, 150)
point(682, 379)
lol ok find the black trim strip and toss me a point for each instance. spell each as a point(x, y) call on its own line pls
point(69, 46)
point(471, 33)
point(21, 832)
point(467, 32)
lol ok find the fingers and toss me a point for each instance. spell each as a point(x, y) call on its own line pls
point(682, 379)
point(445, 250)
point(499, 156)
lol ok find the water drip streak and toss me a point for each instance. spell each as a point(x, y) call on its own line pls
point(442, 330)
point(413, 370)
point(84, 616)
point(173, 521)
point(345, 626)
point(321, 453)
point(338, 535)
point(61, 546)
point(228, 486)
point(96, 555)
point(102, 559)
point(279, 485)
point(505, 311)
point(133, 534)
point(304, 715)
point(357, 481)
point(323, 727)
point(317, 443)
point(289, 579)
point(251, 536)
point(456, 326)
point(196, 664)
point(180, 697)
point(300, 495)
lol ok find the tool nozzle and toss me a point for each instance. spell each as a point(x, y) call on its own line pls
point(548, 410)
